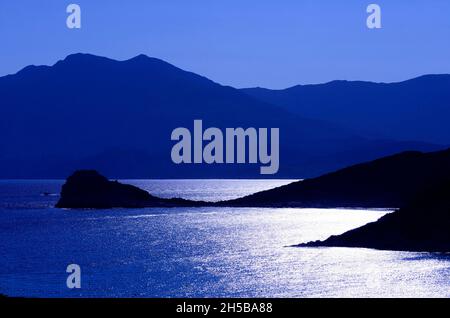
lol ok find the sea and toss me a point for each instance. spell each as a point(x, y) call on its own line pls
point(197, 252)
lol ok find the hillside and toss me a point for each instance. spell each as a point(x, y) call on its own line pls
point(388, 182)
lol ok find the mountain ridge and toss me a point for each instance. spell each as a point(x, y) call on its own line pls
point(388, 182)
point(414, 109)
point(54, 118)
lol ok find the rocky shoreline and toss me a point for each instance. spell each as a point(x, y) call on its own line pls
point(422, 226)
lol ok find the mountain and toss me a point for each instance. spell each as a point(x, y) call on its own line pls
point(416, 109)
point(91, 112)
point(420, 226)
point(388, 182)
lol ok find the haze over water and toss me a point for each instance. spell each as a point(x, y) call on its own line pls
point(204, 252)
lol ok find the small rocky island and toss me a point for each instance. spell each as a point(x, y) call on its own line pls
point(423, 225)
point(87, 189)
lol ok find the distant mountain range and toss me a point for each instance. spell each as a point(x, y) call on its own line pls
point(91, 112)
point(417, 109)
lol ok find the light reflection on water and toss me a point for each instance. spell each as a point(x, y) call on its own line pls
point(207, 252)
point(209, 189)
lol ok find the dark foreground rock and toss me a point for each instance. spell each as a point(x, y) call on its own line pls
point(423, 225)
point(89, 189)
point(389, 182)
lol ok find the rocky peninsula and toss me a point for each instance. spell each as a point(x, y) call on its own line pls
point(422, 225)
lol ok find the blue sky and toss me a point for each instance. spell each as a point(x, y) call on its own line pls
point(243, 43)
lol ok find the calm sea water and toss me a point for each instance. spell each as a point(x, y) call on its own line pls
point(205, 252)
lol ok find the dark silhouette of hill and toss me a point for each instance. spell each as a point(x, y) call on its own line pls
point(415, 109)
point(389, 182)
point(88, 111)
point(87, 189)
point(422, 225)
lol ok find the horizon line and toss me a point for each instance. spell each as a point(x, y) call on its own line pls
point(142, 55)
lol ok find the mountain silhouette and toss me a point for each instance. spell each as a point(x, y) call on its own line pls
point(114, 116)
point(389, 182)
point(415, 109)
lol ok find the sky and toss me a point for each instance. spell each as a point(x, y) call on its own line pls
point(242, 43)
